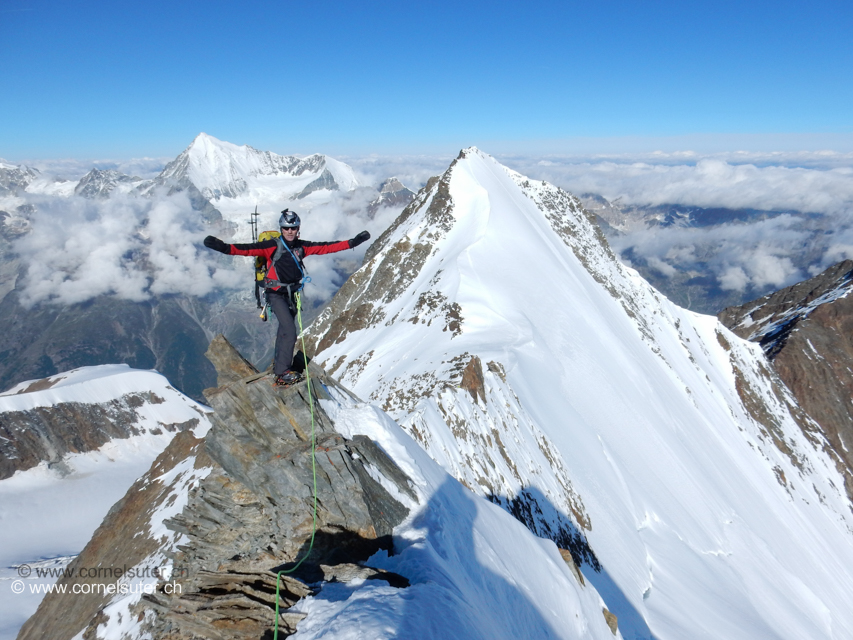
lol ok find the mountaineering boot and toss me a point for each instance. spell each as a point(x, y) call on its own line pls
point(287, 379)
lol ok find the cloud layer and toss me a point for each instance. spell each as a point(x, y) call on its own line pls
point(710, 182)
point(136, 248)
point(767, 254)
point(129, 247)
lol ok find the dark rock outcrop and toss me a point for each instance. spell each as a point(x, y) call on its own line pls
point(250, 514)
point(807, 333)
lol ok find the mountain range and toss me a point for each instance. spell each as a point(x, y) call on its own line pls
point(557, 449)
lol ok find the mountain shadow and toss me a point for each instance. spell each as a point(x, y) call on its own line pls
point(452, 592)
point(532, 508)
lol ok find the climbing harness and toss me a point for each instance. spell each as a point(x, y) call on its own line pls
point(313, 471)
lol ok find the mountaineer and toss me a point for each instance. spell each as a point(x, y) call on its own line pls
point(285, 276)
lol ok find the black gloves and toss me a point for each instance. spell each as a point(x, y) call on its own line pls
point(217, 245)
point(361, 237)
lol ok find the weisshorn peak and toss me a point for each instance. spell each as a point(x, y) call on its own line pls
point(221, 169)
point(492, 321)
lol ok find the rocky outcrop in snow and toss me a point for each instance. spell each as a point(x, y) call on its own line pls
point(15, 178)
point(103, 183)
point(392, 193)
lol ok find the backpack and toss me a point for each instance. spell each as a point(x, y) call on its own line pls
point(260, 261)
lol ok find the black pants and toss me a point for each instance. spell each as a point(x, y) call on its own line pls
point(285, 338)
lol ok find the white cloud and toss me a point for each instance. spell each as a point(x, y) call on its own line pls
point(132, 248)
point(709, 182)
point(740, 256)
point(734, 278)
point(412, 171)
point(152, 247)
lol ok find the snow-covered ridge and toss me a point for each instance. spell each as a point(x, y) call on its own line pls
point(96, 384)
point(45, 421)
point(701, 492)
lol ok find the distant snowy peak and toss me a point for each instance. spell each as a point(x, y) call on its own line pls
point(103, 183)
point(221, 169)
point(15, 178)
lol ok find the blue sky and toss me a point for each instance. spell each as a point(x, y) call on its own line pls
point(127, 79)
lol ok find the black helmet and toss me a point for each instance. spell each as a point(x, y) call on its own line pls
point(289, 220)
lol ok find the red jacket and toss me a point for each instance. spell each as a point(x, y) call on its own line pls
point(287, 269)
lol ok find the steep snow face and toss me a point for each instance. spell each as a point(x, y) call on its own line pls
point(494, 323)
point(474, 571)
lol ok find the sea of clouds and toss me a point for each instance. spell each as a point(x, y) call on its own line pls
point(135, 247)
point(808, 197)
point(130, 247)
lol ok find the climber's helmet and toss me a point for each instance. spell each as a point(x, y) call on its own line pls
point(289, 220)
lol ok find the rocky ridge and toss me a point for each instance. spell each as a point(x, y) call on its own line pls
point(103, 183)
point(223, 514)
point(805, 330)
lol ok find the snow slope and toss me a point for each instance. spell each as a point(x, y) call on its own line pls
point(650, 432)
point(475, 572)
point(48, 513)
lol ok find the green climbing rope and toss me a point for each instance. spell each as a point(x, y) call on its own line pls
point(313, 468)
